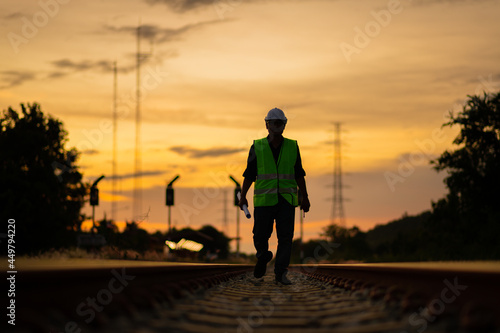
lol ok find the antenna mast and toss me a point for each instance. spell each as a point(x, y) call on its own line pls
point(137, 204)
point(115, 121)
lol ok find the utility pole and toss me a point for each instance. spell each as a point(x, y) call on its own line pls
point(338, 216)
point(236, 199)
point(224, 219)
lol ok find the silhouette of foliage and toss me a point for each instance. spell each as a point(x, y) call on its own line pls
point(314, 251)
point(383, 234)
point(398, 240)
point(218, 245)
point(134, 237)
point(41, 187)
point(473, 167)
point(467, 220)
point(352, 243)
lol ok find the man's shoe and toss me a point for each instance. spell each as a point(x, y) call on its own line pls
point(282, 278)
point(260, 268)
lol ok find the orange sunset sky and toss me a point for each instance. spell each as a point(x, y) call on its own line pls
point(390, 71)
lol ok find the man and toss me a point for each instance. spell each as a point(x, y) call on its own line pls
point(275, 165)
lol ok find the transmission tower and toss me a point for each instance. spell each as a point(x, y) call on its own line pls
point(338, 216)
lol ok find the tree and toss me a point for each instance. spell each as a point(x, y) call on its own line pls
point(134, 237)
point(219, 243)
point(352, 242)
point(474, 167)
point(40, 185)
point(468, 218)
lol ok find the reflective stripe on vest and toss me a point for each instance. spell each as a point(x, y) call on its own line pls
point(272, 177)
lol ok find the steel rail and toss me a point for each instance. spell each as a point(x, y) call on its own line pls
point(90, 294)
point(436, 290)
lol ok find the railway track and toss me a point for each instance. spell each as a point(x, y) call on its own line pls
point(148, 297)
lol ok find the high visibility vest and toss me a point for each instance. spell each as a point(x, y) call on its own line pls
point(275, 177)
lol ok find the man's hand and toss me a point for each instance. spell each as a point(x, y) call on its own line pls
point(243, 194)
point(305, 205)
point(243, 201)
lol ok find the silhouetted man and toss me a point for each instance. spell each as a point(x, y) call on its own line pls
point(274, 164)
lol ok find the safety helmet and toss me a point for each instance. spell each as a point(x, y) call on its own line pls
point(276, 114)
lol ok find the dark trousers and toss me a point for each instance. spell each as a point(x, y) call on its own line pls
point(284, 214)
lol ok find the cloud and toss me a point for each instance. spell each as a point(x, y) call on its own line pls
point(90, 152)
point(12, 78)
point(201, 153)
point(158, 34)
point(104, 66)
point(56, 74)
point(182, 6)
point(134, 175)
point(452, 2)
point(63, 67)
point(13, 16)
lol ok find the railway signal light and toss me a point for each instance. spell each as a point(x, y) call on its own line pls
point(94, 199)
point(236, 191)
point(169, 201)
point(236, 200)
point(94, 192)
point(169, 193)
point(94, 196)
point(169, 196)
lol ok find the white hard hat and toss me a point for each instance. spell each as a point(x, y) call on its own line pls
point(276, 114)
